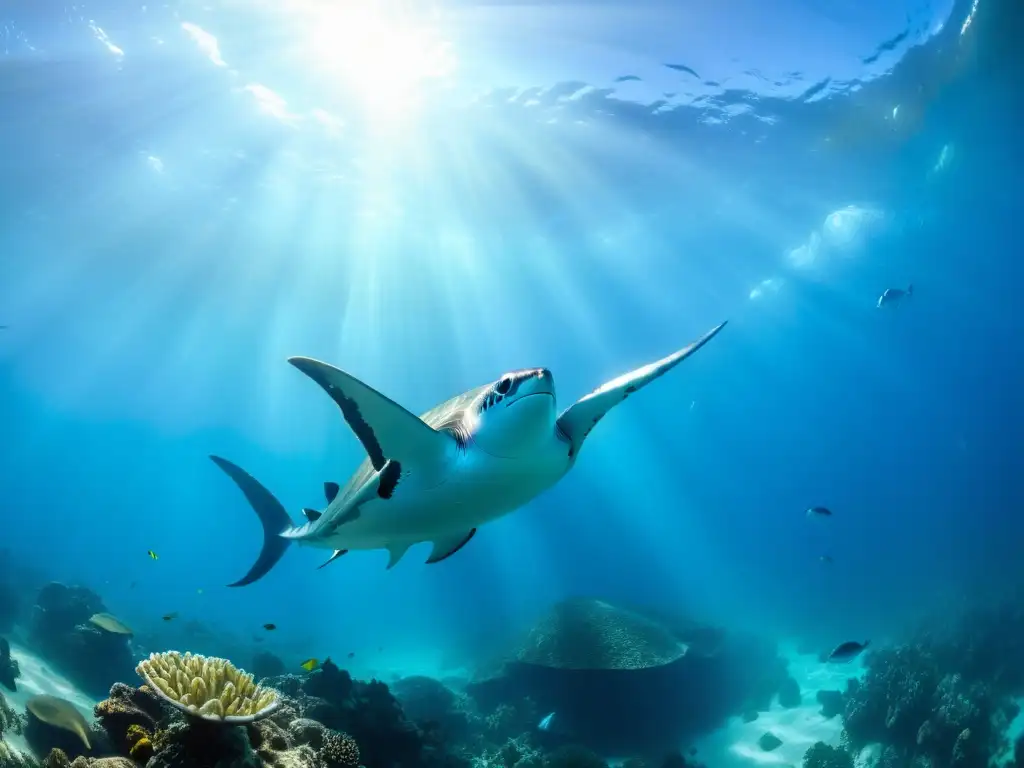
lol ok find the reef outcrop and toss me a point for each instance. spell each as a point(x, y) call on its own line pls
point(9, 670)
point(59, 630)
point(321, 720)
point(942, 699)
point(627, 682)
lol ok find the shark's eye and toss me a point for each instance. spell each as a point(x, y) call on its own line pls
point(503, 386)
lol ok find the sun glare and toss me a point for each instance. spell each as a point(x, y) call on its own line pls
point(385, 58)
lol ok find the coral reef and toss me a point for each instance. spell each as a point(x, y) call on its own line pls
point(322, 720)
point(944, 699)
point(911, 704)
point(9, 720)
point(366, 711)
point(60, 631)
point(207, 687)
point(9, 670)
point(147, 730)
point(12, 758)
point(822, 755)
point(624, 682)
point(426, 701)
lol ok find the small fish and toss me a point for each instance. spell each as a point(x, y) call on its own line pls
point(848, 651)
point(826, 559)
point(351, 654)
point(170, 616)
point(270, 627)
point(545, 722)
point(310, 664)
point(152, 555)
point(819, 512)
point(133, 585)
point(893, 297)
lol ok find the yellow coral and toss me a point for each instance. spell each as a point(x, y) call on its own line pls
point(142, 750)
point(207, 687)
point(136, 732)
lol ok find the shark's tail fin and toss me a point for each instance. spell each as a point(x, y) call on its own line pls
point(272, 515)
point(910, 290)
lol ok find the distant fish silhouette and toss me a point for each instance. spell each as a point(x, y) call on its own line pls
point(893, 297)
point(819, 512)
point(848, 651)
point(545, 722)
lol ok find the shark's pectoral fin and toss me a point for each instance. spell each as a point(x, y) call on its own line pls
point(578, 419)
point(386, 429)
point(448, 546)
point(337, 553)
point(331, 491)
point(395, 553)
point(311, 514)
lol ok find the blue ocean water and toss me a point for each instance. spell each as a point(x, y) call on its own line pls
point(428, 196)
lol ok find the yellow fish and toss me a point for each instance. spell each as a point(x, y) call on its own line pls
point(152, 555)
point(310, 664)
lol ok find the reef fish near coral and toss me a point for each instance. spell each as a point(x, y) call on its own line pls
point(438, 477)
point(60, 714)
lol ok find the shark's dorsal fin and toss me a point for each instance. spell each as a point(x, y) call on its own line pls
point(578, 419)
point(449, 545)
point(386, 429)
point(337, 553)
point(331, 491)
point(311, 514)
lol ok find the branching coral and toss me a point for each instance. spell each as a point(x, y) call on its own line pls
point(207, 687)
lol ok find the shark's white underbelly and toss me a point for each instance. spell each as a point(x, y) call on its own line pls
point(483, 489)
